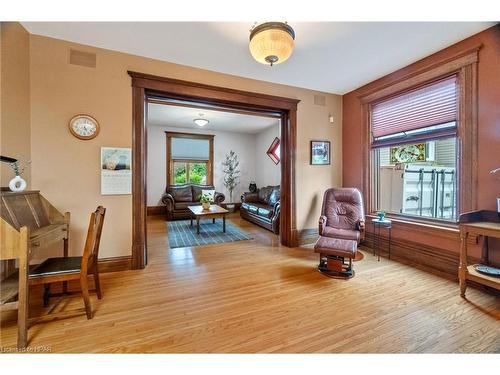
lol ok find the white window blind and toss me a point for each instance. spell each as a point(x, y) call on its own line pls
point(426, 107)
point(190, 149)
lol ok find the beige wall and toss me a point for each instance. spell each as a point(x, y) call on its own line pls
point(66, 169)
point(267, 172)
point(15, 98)
point(224, 142)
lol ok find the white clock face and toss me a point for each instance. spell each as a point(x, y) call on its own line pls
point(84, 127)
point(407, 154)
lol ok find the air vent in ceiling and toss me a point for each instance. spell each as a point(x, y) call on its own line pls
point(320, 100)
point(82, 58)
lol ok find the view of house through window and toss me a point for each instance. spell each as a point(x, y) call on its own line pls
point(418, 179)
point(414, 143)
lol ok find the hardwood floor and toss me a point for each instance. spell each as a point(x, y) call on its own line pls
point(256, 296)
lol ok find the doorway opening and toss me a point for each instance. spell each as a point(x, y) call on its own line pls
point(149, 90)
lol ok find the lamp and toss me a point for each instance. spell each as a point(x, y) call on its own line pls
point(201, 121)
point(272, 42)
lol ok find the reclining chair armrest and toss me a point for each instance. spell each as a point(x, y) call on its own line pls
point(250, 197)
point(168, 200)
point(361, 228)
point(219, 198)
point(321, 224)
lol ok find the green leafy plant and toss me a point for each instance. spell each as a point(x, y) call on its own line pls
point(231, 173)
point(17, 168)
point(205, 198)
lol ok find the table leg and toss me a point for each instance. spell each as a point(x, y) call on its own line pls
point(197, 225)
point(224, 223)
point(374, 237)
point(66, 252)
point(213, 220)
point(379, 244)
point(390, 239)
point(191, 221)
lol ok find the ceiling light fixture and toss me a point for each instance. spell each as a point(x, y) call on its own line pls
point(201, 121)
point(272, 42)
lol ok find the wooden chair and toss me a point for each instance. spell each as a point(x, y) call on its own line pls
point(64, 269)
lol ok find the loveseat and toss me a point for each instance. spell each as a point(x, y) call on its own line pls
point(177, 198)
point(262, 207)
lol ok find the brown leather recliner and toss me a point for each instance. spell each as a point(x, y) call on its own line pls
point(341, 228)
point(262, 207)
point(177, 198)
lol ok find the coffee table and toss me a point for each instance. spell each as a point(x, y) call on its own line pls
point(212, 213)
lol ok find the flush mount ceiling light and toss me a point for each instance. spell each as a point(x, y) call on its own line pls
point(200, 121)
point(272, 42)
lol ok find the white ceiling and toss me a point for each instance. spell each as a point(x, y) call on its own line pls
point(334, 57)
point(182, 117)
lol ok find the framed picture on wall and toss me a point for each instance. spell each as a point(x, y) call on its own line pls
point(320, 152)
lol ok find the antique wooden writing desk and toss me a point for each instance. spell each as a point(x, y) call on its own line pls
point(28, 223)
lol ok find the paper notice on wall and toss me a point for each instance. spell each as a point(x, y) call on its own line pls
point(116, 171)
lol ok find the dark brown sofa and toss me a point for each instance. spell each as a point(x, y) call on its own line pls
point(262, 207)
point(177, 198)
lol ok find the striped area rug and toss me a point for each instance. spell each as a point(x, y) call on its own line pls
point(181, 234)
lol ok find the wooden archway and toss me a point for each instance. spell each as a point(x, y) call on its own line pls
point(146, 86)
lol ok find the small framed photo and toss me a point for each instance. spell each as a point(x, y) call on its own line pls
point(320, 152)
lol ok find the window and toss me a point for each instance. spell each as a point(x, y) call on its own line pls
point(193, 172)
point(414, 157)
point(189, 158)
point(274, 151)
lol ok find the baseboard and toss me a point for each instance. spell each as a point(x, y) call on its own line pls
point(237, 206)
point(421, 256)
point(115, 264)
point(307, 236)
point(155, 210)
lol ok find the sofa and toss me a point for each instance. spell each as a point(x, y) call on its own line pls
point(262, 207)
point(177, 198)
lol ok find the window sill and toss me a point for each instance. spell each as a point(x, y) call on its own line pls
point(439, 228)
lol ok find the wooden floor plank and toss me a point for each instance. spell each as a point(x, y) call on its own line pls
point(258, 297)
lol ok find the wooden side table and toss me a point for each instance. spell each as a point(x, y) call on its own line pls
point(377, 223)
point(477, 224)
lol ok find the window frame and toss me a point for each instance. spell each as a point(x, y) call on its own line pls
point(187, 163)
point(464, 65)
point(170, 162)
point(413, 217)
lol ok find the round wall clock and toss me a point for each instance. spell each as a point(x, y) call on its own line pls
point(84, 127)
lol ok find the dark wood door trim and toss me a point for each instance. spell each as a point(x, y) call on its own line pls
point(145, 86)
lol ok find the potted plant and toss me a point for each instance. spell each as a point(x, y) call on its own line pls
point(205, 201)
point(381, 215)
point(18, 183)
point(231, 176)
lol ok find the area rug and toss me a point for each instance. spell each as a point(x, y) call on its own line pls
point(182, 234)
